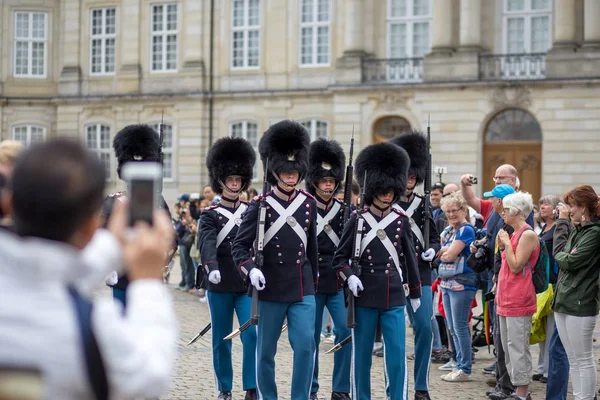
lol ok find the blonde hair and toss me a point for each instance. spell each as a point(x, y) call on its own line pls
point(9, 151)
point(456, 199)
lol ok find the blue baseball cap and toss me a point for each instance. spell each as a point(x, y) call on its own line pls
point(500, 191)
point(184, 197)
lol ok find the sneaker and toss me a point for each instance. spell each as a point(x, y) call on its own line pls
point(251, 394)
point(516, 397)
point(439, 357)
point(203, 299)
point(490, 369)
point(313, 396)
point(536, 377)
point(411, 357)
point(499, 394)
point(377, 346)
point(544, 379)
point(491, 382)
point(449, 366)
point(378, 352)
point(459, 376)
point(445, 376)
point(224, 396)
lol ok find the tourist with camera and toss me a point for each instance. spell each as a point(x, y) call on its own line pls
point(576, 302)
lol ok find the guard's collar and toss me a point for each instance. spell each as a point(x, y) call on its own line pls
point(379, 212)
point(322, 204)
point(283, 194)
point(225, 202)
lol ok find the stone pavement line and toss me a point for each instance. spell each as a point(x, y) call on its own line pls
point(194, 378)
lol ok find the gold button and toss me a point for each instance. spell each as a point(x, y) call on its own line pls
point(372, 271)
point(299, 253)
point(279, 254)
point(297, 261)
point(388, 265)
point(387, 272)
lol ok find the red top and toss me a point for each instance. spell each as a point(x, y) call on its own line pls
point(485, 209)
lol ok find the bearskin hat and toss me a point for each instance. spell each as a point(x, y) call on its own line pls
point(386, 166)
point(285, 146)
point(326, 159)
point(136, 143)
point(230, 156)
point(415, 144)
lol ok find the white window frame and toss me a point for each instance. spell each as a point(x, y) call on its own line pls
point(245, 124)
point(30, 40)
point(312, 128)
point(246, 29)
point(103, 37)
point(99, 149)
point(409, 20)
point(314, 25)
point(28, 132)
point(527, 14)
point(164, 33)
point(167, 150)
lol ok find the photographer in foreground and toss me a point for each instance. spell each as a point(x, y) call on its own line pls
point(83, 351)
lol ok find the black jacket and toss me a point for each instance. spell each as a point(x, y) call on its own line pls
point(328, 280)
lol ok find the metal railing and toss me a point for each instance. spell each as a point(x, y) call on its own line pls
point(401, 70)
point(512, 66)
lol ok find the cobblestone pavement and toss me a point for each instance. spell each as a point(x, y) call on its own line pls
point(194, 378)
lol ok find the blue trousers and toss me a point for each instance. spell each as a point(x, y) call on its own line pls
point(120, 295)
point(423, 337)
point(222, 305)
point(457, 306)
point(558, 369)
point(394, 341)
point(301, 328)
point(342, 358)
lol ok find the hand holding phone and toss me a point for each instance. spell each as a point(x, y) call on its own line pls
point(143, 181)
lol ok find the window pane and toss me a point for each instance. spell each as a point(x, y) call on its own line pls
point(252, 134)
point(168, 136)
point(253, 13)
point(321, 129)
point(307, 10)
point(323, 45)
point(39, 26)
point(253, 48)
point(105, 157)
point(109, 58)
point(104, 137)
point(110, 21)
point(398, 8)
point(22, 24)
point(90, 140)
point(21, 67)
point(37, 134)
point(172, 52)
point(157, 18)
point(96, 22)
point(540, 34)
point(307, 45)
point(420, 7)
point(420, 39)
point(37, 59)
point(515, 35)
point(167, 165)
point(238, 49)
point(238, 13)
point(540, 4)
point(157, 51)
point(323, 10)
point(172, 17)
point(515, 5)
point(20, 134)
point(96, 55)
point(397, 40)
point(306, 124)
point(236, 130)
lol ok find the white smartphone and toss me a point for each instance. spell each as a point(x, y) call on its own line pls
point(143, 181)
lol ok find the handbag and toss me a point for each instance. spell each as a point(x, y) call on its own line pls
point(449, 269)
point(188, 239)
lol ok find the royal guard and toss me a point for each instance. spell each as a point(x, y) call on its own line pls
point(230, 163)
point(378, 241)
point(286, 283)
point(413, 205)
point(134, 143)
point(326, 164)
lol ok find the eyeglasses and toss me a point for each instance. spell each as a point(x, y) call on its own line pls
point(452, 211)
point(500, 177)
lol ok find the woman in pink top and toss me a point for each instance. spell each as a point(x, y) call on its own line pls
point(515, 297)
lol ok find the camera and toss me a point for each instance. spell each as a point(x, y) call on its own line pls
point(474, 180)
point(143, 180)
point(489, 296)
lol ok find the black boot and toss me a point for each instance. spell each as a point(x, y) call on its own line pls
point(224, 396)
point(313, 396)
point(340, 396)
point(422, 395)
point(251, 394)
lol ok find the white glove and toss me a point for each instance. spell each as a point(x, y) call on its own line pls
point(354, 284)
point(112, 278)
point(428, 255)
point(257, 279)
point(214, 277)
point(415, 303)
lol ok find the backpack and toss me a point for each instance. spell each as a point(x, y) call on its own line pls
point(540, 275)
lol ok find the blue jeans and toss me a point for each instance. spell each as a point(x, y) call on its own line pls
point(457, 306)
point(558, 369)
point(437, 339)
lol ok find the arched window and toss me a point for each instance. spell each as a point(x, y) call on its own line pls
point(387, 127)
point(513, 124)
point(29, 134)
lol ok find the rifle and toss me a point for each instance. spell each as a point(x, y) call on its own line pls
point(200, 334)
point(427, 190)
point(259, 258)
point(348, 181)
point(161, 137)
point(354, 260)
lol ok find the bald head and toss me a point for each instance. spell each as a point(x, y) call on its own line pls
point(450, 188)
point(506, 174)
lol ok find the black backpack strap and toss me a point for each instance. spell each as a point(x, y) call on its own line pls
point(93, 358)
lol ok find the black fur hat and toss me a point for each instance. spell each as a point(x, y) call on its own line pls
point(325, 159)
point(136, 143)
point(285, 145)
point(415, 144)
point(230, 156)
point(386, 166)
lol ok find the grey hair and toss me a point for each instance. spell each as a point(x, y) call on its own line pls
point(551, 199)
point(520, 203)
point(456, 199)
point(517, 183)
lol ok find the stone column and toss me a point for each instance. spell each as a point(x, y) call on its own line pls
point(565, 26)
point(442, 26)
point(192, 30)
point(591, 27)
point(349, 67)
point(70, 73)
point(129, 43)
point(470, 24)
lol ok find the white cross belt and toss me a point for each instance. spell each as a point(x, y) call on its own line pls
point(322, 221)
point(284, 213)
point(233, 220)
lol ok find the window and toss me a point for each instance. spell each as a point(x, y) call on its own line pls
point(513, 124)
point(388, 127)
point(246, 130)
point(167, 149)
point(316, 129)
point(30, 44)
point(245, 34)
point(164, 37)
point(408, 27)
point(97, 139)
point(527, 26)
point(29, 134)
point(315, 20)
point(102, 41)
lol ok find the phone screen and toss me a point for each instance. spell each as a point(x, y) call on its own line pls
point(141, 201)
